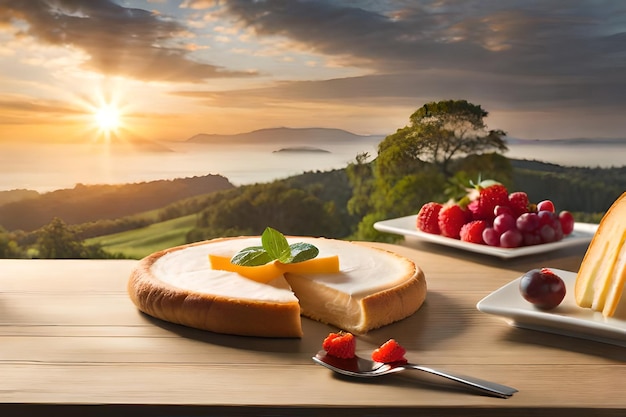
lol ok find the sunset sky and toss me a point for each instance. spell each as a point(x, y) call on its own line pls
point(167, 70)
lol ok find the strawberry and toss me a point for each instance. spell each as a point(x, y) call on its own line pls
point(473, 231)
point(427, 218)
point(390, 351)
point(341, 345)
point(490, 195)
point(451, 218)
point(519, 203)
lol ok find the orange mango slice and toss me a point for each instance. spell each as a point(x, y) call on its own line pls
point(272, 270)
point(326, 265)
point(262, 273)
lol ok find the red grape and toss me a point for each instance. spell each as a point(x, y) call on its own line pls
point(567, 222)
point(499, 209)
point(531, 238)
point(511, 239)
point(527, 222)
point(546, 217)
point(503, 222)
point(491, 237)
point(547, 233)
point(545, 205)
point(558, 230)
point(543, 288)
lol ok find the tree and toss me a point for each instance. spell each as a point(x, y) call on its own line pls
point(290, 210)
point(444, 141)
point(9, 248)
point(360, 176)
point(57, 240)
point(439, 132)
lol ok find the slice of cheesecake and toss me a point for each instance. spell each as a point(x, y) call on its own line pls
point(373, 288)
point(602, 275)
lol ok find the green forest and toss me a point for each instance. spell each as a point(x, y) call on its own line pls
point(445, 145)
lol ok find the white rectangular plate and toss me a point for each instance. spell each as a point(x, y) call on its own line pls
point(567, 319)
point(583, 232)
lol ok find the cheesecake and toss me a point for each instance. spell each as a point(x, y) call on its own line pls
point(601, 278)
point(372, 288)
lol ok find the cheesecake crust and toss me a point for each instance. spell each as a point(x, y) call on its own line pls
point(204, 311)
point(249, 317)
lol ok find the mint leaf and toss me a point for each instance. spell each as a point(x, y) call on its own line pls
point(275, 247)
point(252, 256)
point(303, 252)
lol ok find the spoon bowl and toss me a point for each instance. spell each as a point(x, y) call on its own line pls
point(364, 368)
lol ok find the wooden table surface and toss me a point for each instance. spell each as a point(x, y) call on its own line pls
point(72, 343)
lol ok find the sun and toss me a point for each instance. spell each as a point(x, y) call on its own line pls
point(107, 115)
point(108, 118)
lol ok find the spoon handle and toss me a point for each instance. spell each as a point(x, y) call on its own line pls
point(491, 387)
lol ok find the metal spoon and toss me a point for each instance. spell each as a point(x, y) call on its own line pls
point(363, 368)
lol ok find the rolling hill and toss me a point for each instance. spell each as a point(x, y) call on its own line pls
point(85, 203)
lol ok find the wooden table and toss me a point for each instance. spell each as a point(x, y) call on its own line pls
point(72, 343)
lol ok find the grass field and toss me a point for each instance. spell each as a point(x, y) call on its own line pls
point(141, 242)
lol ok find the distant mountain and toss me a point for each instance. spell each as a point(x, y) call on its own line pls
point(296, 136)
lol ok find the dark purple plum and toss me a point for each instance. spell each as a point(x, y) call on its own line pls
point(542, 288)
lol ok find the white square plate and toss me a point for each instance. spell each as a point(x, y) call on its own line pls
point(583, 232)
point(567, 319)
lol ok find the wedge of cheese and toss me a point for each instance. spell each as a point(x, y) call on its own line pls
point(602, 275)
point(373, 288)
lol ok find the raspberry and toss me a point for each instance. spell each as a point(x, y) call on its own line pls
point(483, 206)
point(451, 219)
point(473, 231)
point(390, 351)
point(519, 203)
point(341, 345)
point(427, 218)
point(547, 271)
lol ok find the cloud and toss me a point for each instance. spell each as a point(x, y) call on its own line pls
point(414, 89)
point(528, 53)
point(19, 110)
point(198, 4)
point(119, 41)
point(514, 57)
point(544, 39)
